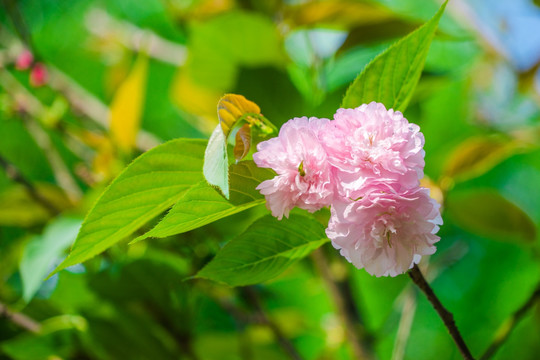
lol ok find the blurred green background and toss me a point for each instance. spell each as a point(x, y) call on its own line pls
point(111, 79)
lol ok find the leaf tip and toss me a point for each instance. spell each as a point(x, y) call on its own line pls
point(139, 238)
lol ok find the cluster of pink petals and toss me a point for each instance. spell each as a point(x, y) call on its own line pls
point(371, 144)
point(367, 164)
point(304, 177)
point(385, 231)
point(38, 72)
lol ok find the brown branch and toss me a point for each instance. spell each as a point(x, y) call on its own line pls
point(508, 326)
point(252, 298)
point(445, 315)
point(14, 174)
point(19, 319)
point(354, 330)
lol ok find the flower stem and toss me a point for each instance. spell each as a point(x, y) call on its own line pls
point(445, 315)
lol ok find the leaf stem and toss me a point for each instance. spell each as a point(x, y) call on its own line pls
point(508, 326)
point(446, 316)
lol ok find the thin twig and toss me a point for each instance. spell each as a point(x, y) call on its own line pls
point(355, 332)
point(445, 315)
point(252, 298)
point(508, 326)
point(79, 98)
point(14, 174)
point(408, 311)
point(35, 109)
point(19, 319)
point(107, 27)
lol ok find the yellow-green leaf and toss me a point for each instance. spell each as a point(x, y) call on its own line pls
point(202, 204)
point(151, 184)
point(477, 155)
point(487, 213)
point(21, 209)
point(127, 105)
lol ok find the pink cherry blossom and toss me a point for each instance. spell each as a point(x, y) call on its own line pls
point(370, 143)
point(38, 75)
point(24, 60)
point(386, 231)
point(304, 177)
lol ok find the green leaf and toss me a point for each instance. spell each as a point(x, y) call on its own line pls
point(245, 38)
point(264, 250)
point(41, 252)
point(202, 204)
point(392, 76)
point(148, 186)
point(487, 213)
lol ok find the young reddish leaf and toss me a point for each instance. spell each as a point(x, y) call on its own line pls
point(243, 142)
point(232, 108)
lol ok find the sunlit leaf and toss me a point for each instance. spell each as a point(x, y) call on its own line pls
point(148, 186)
point(127, 105)
point(265, 250)
point(477, 155)
point(392, 76)
point(42, 252)
point(202, 204)
point(487, 213)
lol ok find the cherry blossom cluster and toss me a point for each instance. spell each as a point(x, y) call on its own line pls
point(366, 164)
point(38, 72)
